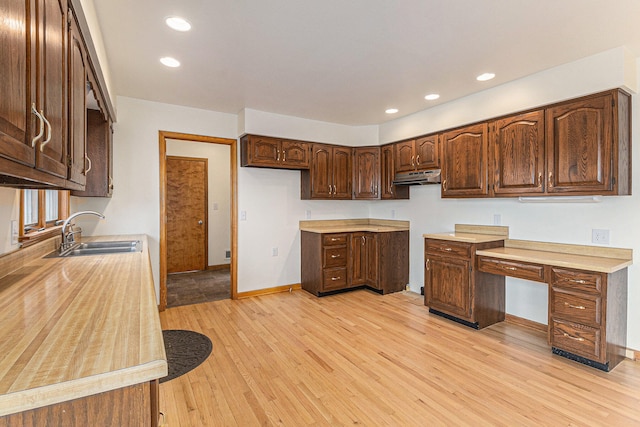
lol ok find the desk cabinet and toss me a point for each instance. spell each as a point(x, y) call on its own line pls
point(454, 288)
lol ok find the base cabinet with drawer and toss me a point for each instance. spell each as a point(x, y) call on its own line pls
point(454, 288)
point(339, 261)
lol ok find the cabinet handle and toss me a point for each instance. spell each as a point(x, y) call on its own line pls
point(566, 335)
point(363, 240)
point(284, 156)
point(391, 189)
point(444, 185)
point(418, 160)
point(335, 256)
point(87, 159)
point(540, 179)
point(334, 189)
point(336, 278)
point(509, 268)
point(426, 264)
point(111, 183)
point(46, 141)
point(413, 158)
point(550, 179)
point(330, 189)
point(277, 155)
point(334, 239)
point(579, 307)
point(39, 135)
point(580, 281)
point(446, 249)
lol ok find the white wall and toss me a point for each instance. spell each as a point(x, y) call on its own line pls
point(218, 193)
point(551, 222)
point(9, 211)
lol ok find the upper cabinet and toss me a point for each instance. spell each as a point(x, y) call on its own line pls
point(417, 154)
point(267, 152)
point(366, 173)
point(517, 151)
point(329, 176)
point(388, 191)
point(588, 145)
point(78, 160)
point(464, 165)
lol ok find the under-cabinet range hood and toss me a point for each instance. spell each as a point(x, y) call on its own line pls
point(417, 177)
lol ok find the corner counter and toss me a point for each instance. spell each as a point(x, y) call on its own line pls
point(354, 225)
point(75, 327)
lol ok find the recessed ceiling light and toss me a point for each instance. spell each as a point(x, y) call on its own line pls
point(177, 23)
point(432, 97)
point(391, 110)
point(485, 76)
point(170, 62)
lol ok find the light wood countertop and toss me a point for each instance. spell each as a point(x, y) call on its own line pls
point(353, 225)
point(73, 327)
point(472, 234)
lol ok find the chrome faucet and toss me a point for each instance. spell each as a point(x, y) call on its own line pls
point(68, 238)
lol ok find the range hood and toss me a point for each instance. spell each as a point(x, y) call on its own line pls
point(417, 177)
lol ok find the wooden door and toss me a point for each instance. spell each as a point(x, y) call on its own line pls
point(405, 156)
point(517, 149)
point(448, 286)
point(341, 173)
point(579, 146)
point(321, 172)
point(372, 264)
point(186, 214)
point(366, 173)
point(464, 166)
point(263, 150)
point(79, 161)
point(294, 154)
point(51, 153)
point(17, 121)
point(358, 259)
point(427, 152)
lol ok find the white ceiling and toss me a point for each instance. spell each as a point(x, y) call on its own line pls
point(346, 61)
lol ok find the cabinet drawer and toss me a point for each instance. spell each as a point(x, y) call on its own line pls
point(582, 308)
point(576, 280)
point(334, 278)
point(518, 269)
point(334, 256)
point(334, 239)
point(578, 339)
point(441, 247)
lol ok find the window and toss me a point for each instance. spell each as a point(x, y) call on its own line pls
point(40, 212)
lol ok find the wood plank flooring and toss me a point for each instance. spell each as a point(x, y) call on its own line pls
point(359, 358)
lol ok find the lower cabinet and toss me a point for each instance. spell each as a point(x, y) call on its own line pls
point(339, 261)
point(454, 288)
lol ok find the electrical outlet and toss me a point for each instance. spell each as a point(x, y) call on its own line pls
point(215, 206)
point(307, 214)
point(497, 219)
point(274, 251)
point(600, 236)
point(227, 254)
point(393, 213)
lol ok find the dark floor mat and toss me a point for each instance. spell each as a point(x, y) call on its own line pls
point(185, 350)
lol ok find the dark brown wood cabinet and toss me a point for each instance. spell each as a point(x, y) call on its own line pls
point(78, 67)
point(278, 153)
point(417, 154)
point(388, 191)
point(366, 173)
point(329, 176)
point(338, 261)
point(517, 146)
point(465, 165)
point(456, 289)
point(99, 156)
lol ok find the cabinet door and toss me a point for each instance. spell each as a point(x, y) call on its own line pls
point(579, 146)
point(77, 106)
point(517, 148)
point(464, 166)
point(321, 172)
point(358, 258)
point(371, 244)
point(16, 118)
point(427, 152)
point(262, 151)
point(341, 173)
point(294, 154)
point(405, 156)
point(447, 286)
point(51, 153)
point(389, 191)
point(366, 173)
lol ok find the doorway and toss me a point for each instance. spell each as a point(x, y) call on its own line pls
point(172, 187)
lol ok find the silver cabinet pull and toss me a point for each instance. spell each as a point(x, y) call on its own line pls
point(46, 141)
point(39, 135)
point(88, 160)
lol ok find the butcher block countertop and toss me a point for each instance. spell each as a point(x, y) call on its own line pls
point(353, 225)
point(73, 327)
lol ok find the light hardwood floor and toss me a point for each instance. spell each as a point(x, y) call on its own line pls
point(360, 358)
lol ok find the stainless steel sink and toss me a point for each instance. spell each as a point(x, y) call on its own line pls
point(101, 248)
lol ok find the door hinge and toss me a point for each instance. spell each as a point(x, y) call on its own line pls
point(69, 161)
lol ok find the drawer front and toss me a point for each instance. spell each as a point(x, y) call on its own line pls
point(578, 339)
point(334, 256)
point(511, 268)
point(334, 239)
point(334, 278)
point(445, 247)
point(583, 308)
point(576, 280)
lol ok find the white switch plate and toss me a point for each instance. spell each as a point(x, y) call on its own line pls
point(307, 214)
point(600, 236)
point(215, 206)
point(14, 232)
point(274, 251)
point(243, 215)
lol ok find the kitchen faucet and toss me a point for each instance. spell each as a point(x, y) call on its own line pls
point(68, 238)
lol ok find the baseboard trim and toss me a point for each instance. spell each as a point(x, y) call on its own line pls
point(274, 290)
point(219, 267)
point(525, 322)
point(632, 354)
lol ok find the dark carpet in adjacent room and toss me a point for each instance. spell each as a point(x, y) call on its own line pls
point(198, 287)
point(185, 350)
